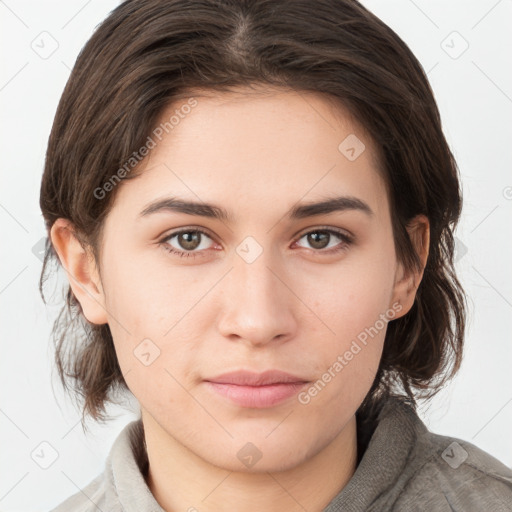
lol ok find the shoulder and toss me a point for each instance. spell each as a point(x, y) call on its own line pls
point(93, 497)
point(456, 475)
point(121, 485)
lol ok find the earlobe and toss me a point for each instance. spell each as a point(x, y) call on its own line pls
point(81, 270)
point(407, 283)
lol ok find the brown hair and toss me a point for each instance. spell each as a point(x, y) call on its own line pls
point(148, 53)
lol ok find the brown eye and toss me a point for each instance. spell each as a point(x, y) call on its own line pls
point(188, 242)
point(319, 240)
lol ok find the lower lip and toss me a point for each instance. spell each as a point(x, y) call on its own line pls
point(257, 396)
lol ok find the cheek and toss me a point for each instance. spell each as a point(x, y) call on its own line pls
point(352, 298)
point(150, 311)
point(347, 361)
point(352, 308)
point(144, 299)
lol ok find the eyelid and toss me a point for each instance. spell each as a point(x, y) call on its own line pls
point(172, 234)
point(339, 231)
point(188, 229)
point(347, 239)
point(296, 237)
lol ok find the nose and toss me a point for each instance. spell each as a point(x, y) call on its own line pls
point(258, 306)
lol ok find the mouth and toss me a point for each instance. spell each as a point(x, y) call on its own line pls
point(256, 390)
point(248, 378)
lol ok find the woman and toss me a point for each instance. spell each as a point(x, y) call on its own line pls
point(254, 203)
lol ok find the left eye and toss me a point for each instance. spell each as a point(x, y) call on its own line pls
point(320, 239)
point(190, 240)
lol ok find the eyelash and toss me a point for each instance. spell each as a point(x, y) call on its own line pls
point(346, 242)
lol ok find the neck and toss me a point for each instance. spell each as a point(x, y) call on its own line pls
point(182, 481)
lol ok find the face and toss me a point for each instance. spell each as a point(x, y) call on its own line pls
point(189, 297)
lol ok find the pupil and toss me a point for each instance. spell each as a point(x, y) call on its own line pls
point(190, 240)
point(316, 239)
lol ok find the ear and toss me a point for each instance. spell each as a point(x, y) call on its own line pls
point(407, 283)
point(81, 270)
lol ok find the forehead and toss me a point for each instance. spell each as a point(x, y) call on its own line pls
point(257, 150)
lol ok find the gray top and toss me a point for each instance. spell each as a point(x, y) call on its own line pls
point(405, 468)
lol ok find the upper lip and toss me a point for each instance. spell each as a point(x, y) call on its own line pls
point(246, 378)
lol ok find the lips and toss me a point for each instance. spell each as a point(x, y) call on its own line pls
point(245, 378)
point(256, 390)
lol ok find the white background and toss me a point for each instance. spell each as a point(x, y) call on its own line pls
point(474, 94)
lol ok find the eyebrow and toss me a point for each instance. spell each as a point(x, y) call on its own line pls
point(299, 211)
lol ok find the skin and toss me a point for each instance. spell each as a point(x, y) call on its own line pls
point(292, 308)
